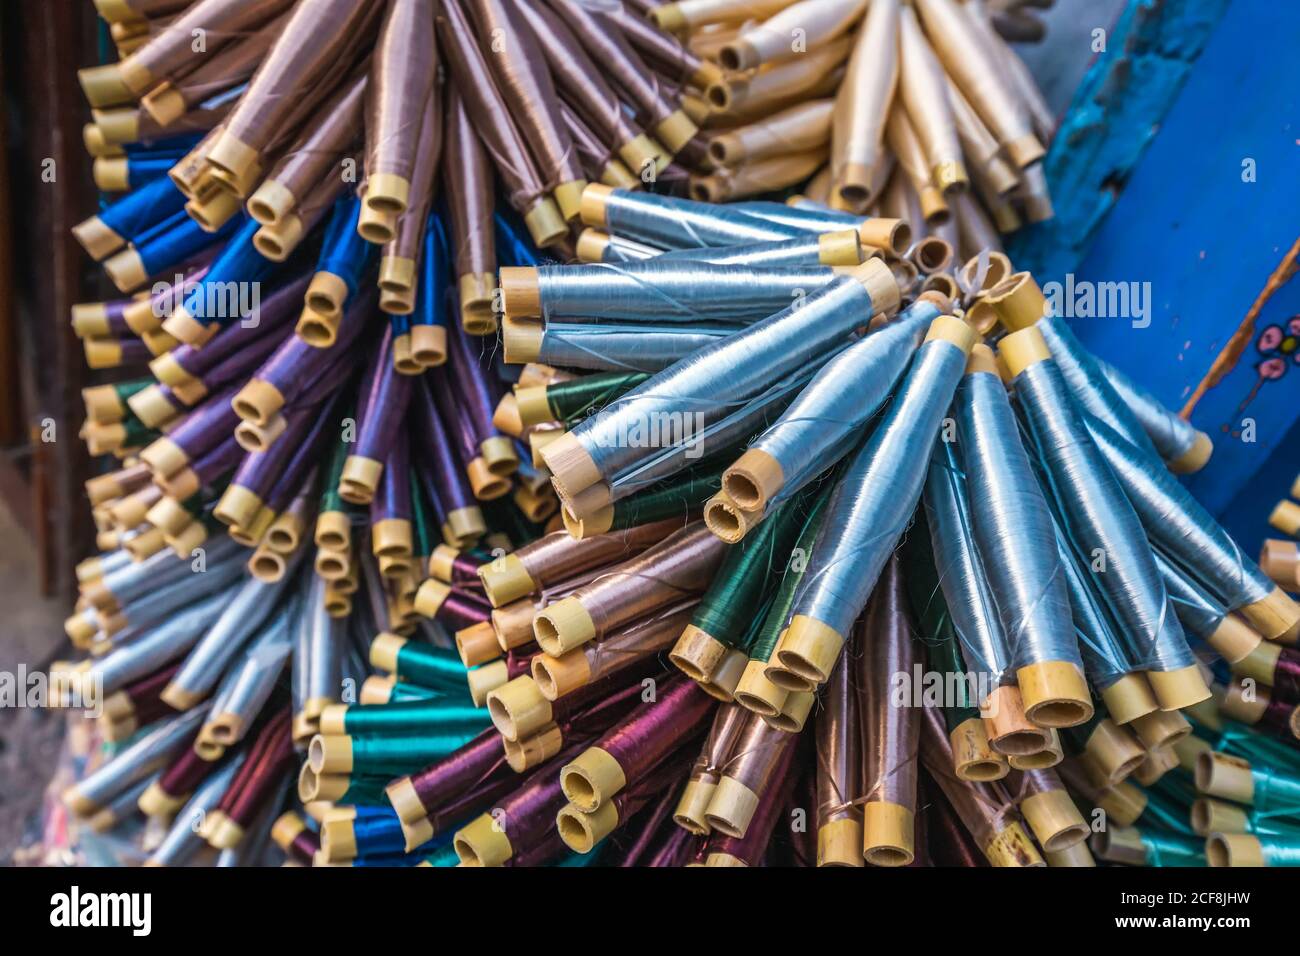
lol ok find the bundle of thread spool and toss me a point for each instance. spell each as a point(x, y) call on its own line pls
point(1280, 557)
point(902, 508)
point(663, 576)
point(914, 109)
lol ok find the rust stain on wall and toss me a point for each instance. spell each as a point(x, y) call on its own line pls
point(1236, 346)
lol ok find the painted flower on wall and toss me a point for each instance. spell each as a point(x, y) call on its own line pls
point(1279, 348)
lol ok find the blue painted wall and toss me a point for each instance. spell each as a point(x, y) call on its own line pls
point(1139, 65)
point(1207, 242)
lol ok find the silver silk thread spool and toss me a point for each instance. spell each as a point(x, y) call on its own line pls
point(245, 614)
point(826, 249)
point(724, 375)
point(1199, 612)
point(182, 840)
point(1101, 525)
point(1172, 436)
point(1230, 636)
point(1178, 524)
point(674, 290)
point(1087, 384)
point(671, 223)
point(1017, 547)
point(1103, 653)
point(961, 578)
point(639, 347)
point(131, 765)
point(248, 685)
point(160, 644)
point(826, 420)
point(893, 236)
point(320, 639)
point(728, 431)
point(872, 506)
point(596, 246)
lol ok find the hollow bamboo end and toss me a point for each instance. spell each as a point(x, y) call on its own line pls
point(477, 644)
point(499, 455)
point(416, 833)
point(1049, 756)
point(952, 329)
point(521, 340)
point(359, 479)
point(318, 329)
point(1054, 694)
point(1234, 850)
point(839, 843)
point(466, 525)
point(326, 294)
point(881, 285)
point(534, 750)
point(557, 676)
point(581, 831)
point(1276, 617)
point(568, 196)
point(592, 244)
point(693, 805)
point(157, 802)
point(888, 834)
point(1020, 350)
point(518, 708)
point(1260, 664)
point(563, 626)
point(697, 653)
point(485, 679)
point(506, 579)
point(973, 755)
point(670, 18)
point(594, 200)
point(104, 86)
point(1077, 855)
point(482, 842)
point(1009, 731)
point(732, 807)
point(388, 193)
point(1113, 751)
point(384, 650)
point(1179, 688)
point(258, 401)
point(545, 224)
point(809, 649)
point(1054, 820)
point(794, 712)
point(376, 226)
point(592, 778)
point(572, 468)
point(1224, 776)
point(727, 520)
point(1129, 698)
point(1161, 729)
point(476, 292)
point(271, 203)
point(1011, 847)
point(676, 131)
point(126, 269)
point(1024, 151)
point(724, 680)
point(1195, 458)
point(756, 692)
point(238, 507)
point(233, 156)
point(520, 291)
